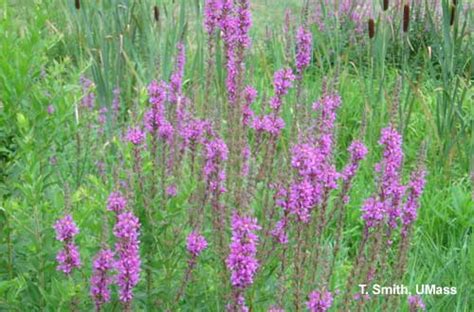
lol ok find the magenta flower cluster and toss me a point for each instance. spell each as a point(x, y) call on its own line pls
point(304, 46)
point(101, 279)
point(155, 120)
point(68, 258)
point(126, 230)
point(358, 151)
point(273, 123)
point(387, 205)
point(242, 261)
point(88, 98)
point(176, 80)
point(195, 243)
point(135, 136)
point(319, 301)
point(415, 303)
point(415, 189)
point(282, 82)
point(116, 202)
point(212, 14)
point(215, 153)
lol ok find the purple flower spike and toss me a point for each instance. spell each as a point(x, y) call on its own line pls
point(51, 109)
point(215, 153)
point(212, 13)
point(304, 45)
point(195, 244)
point(135, 136)
point(126, 230)
point(242, 261)
point(319, 301)
point(416, 303)
point(88, 99)
point(171, 190)
point(373, 212)
point(279, 232)
point(101, 279)
point(65, 228)
point(410, 210)
point(282, 82)
point(358, 152)
point(244, 23)
point(176, 80)
point(275, 309)
point(389, 168)
point(116, 202)
point(68, 258)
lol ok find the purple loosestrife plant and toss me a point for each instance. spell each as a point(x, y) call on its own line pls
point(319, 301)
point(358, 151)
point(244, 23)
point(415, 189)
point(51, 109)
point(176, 80)
point(212, 15)
point(415, 303)
point(195, 244)
point(304, 46)
point(282, 82)
point(275, 309)
point(116, 104)
point(88, 98)
point(391, 189)
point(242, 261)
point(69, 257)
point(101, 278)
point(135, 136)
point(273, 123)
point(215, 154)
point(155, 120)
point(116, 202)
point(250, 94)
point(126, 230)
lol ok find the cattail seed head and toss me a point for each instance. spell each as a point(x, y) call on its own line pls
point(406, 17)
point(78, 4)
point(385, 5)
point(453, 14)
point(371, 28)
point(156, 13)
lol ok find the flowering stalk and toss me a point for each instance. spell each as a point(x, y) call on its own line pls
point(195, 244)
point(215, 156)
point(136, 137)
point(319, 301)
point(358, 152)
point(126, 230)
point(69, 257)
point(272, 123)
point(242, 261)
point(415, 304)
point(101, 280)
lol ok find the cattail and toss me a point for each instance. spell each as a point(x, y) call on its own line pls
point(406, 17)
point(78, 4)
point(156, 12)
point(371, 28)
point(385, 5)
point(453, 13)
